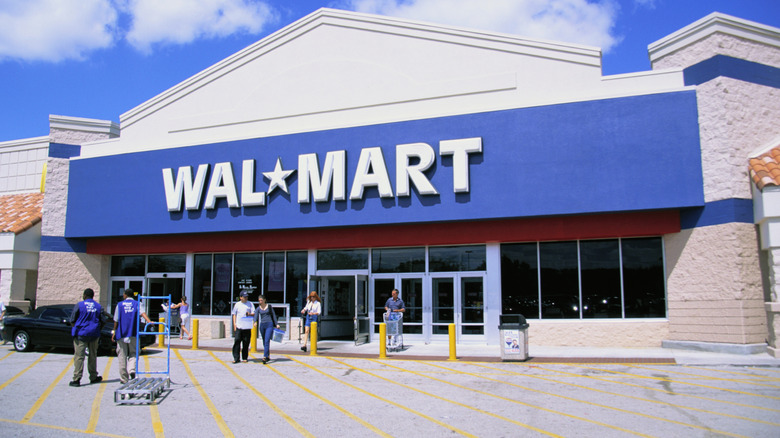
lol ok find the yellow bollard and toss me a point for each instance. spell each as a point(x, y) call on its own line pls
point(382, 340)
point(253, 340)
point(453, 356)
point(161, 336)
point(195, 334)
point(313, 338)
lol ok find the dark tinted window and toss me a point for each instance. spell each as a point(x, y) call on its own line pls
point(600, 269)
point(559, 280)
point(643, 278)
point(457, 258)
point(128, 265)
point(519, 280)
point(398, 260)
point(167, 263)
point(342, 259)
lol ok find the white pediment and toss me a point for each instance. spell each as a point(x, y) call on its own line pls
point(333, 69)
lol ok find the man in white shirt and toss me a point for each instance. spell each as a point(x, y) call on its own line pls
point(243, 313)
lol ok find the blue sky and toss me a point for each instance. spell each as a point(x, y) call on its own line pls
point(100, 58)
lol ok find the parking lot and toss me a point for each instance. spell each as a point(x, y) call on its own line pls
point(326, 396)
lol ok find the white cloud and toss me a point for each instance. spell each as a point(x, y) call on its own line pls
point(574, 21)
point(54, 30)
point(183, 21)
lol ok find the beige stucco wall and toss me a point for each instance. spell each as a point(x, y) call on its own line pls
point(63, 276)
point(597, 333)
point(714, 285)
point(714, 278)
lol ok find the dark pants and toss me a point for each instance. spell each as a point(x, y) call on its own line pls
point(241, 335)
point(267, 332)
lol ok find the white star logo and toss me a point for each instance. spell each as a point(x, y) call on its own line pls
point(278, 177)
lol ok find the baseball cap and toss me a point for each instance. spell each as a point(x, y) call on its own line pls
point(243, 293)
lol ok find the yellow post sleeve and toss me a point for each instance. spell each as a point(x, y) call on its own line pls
point(313, 335)
point(453, 355)
point(253, 340)
point(382, 340)
point(195, 333)
point(161, 329)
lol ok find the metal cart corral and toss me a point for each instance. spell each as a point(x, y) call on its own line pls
point(146, 389)
point(394, 323)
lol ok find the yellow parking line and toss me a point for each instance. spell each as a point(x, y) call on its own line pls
point(754, 377)
point(354, 417)
point(37, 405)
point(702, 377)
point(639, 376)
point(429, 418)
point(93, 418)
point(598, 405)
point(8, 382)
point(267, 401)
point(154, 411)
point(516, 401)
point(223, 427)
point(8, 354)
point(649, 388)
point(67, 429)
point(481, 411)
point(617, 394)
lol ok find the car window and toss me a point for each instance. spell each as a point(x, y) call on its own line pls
point(36, 313)
point(53, 315)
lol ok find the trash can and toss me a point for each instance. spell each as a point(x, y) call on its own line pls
point(513, 330)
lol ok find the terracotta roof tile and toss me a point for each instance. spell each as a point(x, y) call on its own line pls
point(20, 212)
point(765, 169)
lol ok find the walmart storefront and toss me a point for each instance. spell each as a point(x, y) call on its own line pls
point(535, 211)
point(486, 182)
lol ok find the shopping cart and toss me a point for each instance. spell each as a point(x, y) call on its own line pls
point(394, 323)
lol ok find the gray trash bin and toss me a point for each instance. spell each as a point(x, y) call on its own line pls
point(514, 337)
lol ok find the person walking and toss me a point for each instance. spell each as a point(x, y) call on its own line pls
point(184, 316)
point(126, 316)
point(86, 321)
point(243, 311)
point(265, 321)
point(312, 313)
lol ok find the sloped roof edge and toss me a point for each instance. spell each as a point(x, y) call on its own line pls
point(712, 23)
point(20, 212)
point(571, 52)
point(765, 168)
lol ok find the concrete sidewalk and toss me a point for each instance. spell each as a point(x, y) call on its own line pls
point(491, 353)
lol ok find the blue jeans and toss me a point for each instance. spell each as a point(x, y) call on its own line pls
point(267, 332)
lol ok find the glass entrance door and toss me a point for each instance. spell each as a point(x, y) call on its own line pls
point(345, 306)
point(410, 290)
point(459, 299)
point(159, 286)
point(362, 320)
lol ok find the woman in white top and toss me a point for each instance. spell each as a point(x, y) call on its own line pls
point(312, 311)
point(184, 315)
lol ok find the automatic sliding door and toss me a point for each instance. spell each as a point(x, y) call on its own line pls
point(412, 294)
point(472, 314)
point(443, 305)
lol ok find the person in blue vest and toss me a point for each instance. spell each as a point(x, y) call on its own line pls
point(86, 323)
point(126, 316)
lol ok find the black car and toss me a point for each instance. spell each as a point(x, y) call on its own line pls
point(49, 326)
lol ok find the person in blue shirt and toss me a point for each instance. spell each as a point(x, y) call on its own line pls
point(86, 323)
point(126, 318)
point(265, 321)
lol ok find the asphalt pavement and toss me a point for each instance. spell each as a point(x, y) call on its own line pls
point(348, 391)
